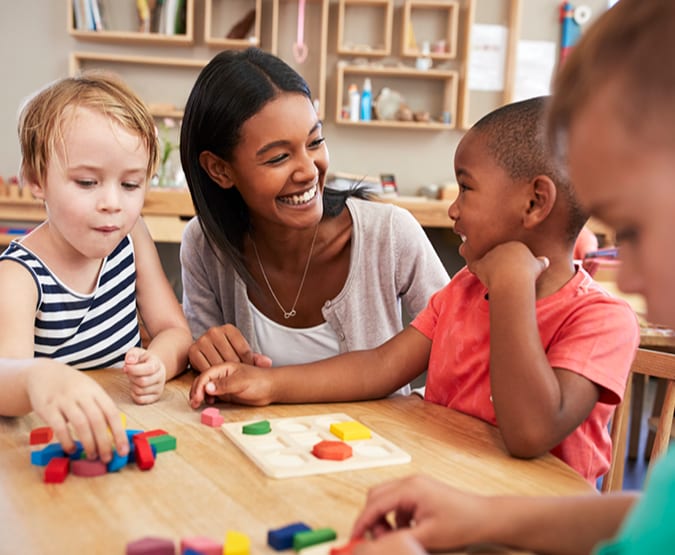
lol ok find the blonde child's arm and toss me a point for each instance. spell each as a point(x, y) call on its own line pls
point(158, 307)
point(537, 406)
point(442, 518)
point(68, 401)
point(353, 376)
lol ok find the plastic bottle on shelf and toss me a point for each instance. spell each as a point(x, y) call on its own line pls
point(354, 102)
point(366, 101)
point(424, 62)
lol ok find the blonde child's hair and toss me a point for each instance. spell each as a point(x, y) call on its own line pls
point(43, 118)
point(624, 49)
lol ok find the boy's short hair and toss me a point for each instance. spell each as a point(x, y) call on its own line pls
point(43, 117)
point(618, 51)
point(516, 137)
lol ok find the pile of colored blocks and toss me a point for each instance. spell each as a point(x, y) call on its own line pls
point(143, 449)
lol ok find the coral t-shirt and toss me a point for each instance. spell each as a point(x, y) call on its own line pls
point(583, 329)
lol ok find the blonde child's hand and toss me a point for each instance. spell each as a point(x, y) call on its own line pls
point(147, 375)
point(224, 344)
point(233, 383)
point(438, 516)
point(509, 262)
point(75, 406)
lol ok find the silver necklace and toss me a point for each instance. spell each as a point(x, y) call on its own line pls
point(287, 313)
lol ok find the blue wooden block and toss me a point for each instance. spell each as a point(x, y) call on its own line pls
point(77, 454)
point(117, 462)
point(43, 456)
point(282, 538)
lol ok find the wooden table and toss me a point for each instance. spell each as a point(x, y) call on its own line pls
point(207, 486)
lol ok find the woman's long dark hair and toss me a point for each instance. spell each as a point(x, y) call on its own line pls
point(233, 87)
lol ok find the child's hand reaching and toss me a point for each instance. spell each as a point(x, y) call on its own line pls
point(147, 375)
point(235, 383)
point(66, 398)
point(437, 516)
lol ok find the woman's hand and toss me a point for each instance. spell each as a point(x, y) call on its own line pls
point(224, 344)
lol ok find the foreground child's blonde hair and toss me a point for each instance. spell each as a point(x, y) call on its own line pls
point(44, 115)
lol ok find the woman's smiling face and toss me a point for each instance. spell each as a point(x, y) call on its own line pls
point(280, 165)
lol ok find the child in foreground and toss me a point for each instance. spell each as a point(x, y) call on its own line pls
point(613, 119)
point(73, 288)
point(520, 338)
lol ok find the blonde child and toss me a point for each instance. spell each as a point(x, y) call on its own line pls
point(72, 287)
point(520, 338)
point(613, 119)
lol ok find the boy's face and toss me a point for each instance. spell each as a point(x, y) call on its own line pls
point(95, 184)
point(487, 210)
point(629, 182)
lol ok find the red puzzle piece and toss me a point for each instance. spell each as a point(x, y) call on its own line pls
point(332, 450)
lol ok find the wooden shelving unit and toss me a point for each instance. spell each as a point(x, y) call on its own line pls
point(448, 78)
point(382, 10)
point(130, 36)
point(444, 14)
point(232, 12)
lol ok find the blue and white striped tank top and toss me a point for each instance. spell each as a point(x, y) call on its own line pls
point(85, 331)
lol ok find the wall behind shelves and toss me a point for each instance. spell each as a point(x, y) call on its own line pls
point(35, 35)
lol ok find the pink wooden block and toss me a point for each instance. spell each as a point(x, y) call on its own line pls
point(57, 470)
point(205, 546)
point(87, 468)
point(151, 546)
point(211, 417)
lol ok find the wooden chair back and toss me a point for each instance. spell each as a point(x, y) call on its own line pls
point(652, 364)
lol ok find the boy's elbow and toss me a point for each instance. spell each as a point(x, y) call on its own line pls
point(526, 444)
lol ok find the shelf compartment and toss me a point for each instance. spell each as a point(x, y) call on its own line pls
point(126, 24)
point(358, 18)
point(221, 16)
point(439, 96)
point(159, 107)
point(443, 31)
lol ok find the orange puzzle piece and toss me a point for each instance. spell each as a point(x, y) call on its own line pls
point(332, 450)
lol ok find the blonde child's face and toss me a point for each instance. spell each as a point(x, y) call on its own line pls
point(95, 185)
point(486, 212)
point(629, 182)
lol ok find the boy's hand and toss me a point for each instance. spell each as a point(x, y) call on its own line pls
point(147, 375)
point(509, 262)
point(224, 344)
point(66, 398)
point(233, 383)
point(437, 516)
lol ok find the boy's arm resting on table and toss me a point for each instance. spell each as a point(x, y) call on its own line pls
point(158, 307)
point(441, 517)
point(353, 376)
point(536, 405)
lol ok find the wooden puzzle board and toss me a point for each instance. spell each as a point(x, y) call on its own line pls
point(286, 451)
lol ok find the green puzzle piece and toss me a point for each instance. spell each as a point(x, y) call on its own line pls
point(257, 428)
